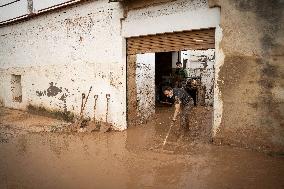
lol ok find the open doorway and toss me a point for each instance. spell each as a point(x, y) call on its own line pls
point(151, 62)
point(163, 77)
point(198, 66)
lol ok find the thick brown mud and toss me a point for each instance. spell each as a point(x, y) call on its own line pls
point(131, 159)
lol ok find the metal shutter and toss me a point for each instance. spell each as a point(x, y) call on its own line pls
point(177, 41)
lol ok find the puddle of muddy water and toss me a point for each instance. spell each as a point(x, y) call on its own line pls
point(115, 160)
point(134, 159)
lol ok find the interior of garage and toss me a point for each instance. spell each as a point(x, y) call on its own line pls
point(151, 62)
point(199, 68)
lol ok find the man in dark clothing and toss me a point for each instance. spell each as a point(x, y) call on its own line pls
point(183, 103)
point(180, 75)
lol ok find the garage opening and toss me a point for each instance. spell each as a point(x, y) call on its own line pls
point(152, 64)
point(198, 66)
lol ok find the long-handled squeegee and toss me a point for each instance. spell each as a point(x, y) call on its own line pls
point(165, 142)
point(169, 131)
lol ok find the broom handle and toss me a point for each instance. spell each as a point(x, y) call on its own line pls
point(165, 141)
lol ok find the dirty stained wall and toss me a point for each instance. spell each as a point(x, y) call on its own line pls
point(145, 84)
point(200, 63)
point(251, 77)
point(13, 10)
point(62, 54)
point(152, 17)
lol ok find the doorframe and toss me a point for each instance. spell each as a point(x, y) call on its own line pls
point(217, 102)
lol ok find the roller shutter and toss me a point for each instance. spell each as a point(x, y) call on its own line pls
point(177, 41)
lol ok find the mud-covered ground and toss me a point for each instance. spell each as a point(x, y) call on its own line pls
point(36, 152)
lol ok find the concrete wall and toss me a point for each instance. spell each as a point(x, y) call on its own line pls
point(26, 8)
point(144, 17)
point(16, 9)
point(145, 81)
point(200, 63)
point(249, 108)
point(62, 54)
point(43, 4)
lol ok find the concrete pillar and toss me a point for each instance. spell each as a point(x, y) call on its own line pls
point(131, 90)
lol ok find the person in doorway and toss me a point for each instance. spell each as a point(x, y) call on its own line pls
point(180, 75)
point(183, 103)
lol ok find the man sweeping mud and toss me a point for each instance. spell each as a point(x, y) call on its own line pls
point(183, 103)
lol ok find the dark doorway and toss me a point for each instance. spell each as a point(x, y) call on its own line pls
point(163, 74)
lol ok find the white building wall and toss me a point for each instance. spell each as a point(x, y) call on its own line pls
point(170, 17)
point(14, 10)
point(43, 4)
point(60, 55)
point(10, 9)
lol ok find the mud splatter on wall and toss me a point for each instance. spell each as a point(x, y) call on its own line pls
point(200, 63)
point(252, 71)
point(145, 80)
point(61, 54)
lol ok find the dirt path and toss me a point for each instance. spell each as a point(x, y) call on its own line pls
point(130, 159)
